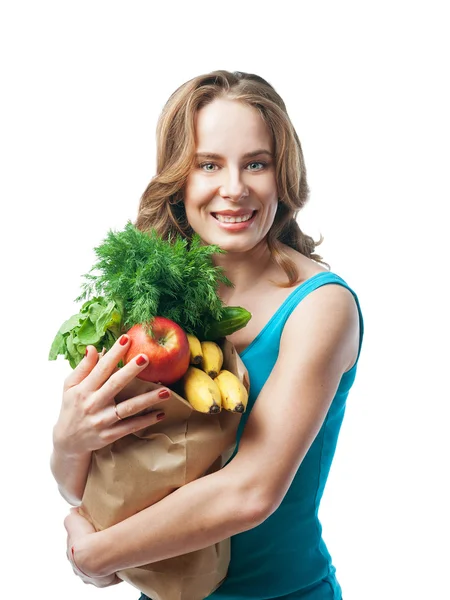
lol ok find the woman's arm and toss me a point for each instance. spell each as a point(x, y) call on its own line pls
point(283, 423)
point(70, 473)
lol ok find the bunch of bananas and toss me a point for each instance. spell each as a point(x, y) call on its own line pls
point(208, 387)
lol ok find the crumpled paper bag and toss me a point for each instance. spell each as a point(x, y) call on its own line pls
point(138, 470)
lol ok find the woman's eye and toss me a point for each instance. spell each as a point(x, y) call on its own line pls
point(256, 166)
point(208, 166)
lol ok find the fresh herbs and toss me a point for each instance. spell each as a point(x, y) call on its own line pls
point(139, 276)
point(148, 276)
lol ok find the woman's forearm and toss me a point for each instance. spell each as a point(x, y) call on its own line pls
point(195, 516)
point(70, 472)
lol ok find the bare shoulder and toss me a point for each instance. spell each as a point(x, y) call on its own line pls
point(328, 314)
point(327, 322)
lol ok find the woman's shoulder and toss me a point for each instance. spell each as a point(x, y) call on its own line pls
point(329, 302)
point(268, 297)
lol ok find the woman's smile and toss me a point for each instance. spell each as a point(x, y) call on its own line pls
point(235, 221)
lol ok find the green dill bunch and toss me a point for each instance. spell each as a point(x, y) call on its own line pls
point(148, 277)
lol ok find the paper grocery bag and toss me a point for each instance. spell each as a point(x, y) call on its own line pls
point(142, 468)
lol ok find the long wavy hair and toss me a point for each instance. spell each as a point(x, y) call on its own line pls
point(161, 206)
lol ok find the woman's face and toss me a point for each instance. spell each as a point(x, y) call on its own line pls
point(231, 195)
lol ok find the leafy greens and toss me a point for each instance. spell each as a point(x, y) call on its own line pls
point(98, 323)
point(149, 276)
point(138, 276)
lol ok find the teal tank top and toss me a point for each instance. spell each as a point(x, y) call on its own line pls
point(285, 557)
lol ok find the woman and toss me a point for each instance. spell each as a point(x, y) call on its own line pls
point(230, 167)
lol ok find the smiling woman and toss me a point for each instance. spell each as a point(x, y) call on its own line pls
point(225, 133)
point(230, 168)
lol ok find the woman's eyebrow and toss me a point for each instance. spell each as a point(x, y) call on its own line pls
point(246, 155)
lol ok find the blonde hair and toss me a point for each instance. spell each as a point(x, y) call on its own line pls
point(161, 206)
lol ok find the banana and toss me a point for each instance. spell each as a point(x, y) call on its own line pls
point(233, 393)
point(212, 358)
point(195, 349)
point(201, 391)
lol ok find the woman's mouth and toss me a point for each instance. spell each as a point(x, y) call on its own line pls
point(235, 222)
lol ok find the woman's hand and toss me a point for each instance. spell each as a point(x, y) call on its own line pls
point(89, 418)
point(78, 532)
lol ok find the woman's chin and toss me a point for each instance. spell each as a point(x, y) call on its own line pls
point(235, 246)
point(229, 241)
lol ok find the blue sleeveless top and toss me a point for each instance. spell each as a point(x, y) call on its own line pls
point(285, 557)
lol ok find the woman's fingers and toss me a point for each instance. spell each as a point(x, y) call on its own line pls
point(119, 380)
point(137, 404)
point(130, 425)
point(101, 370)
point(113, 413)
point(76, 525)
point(83, 368)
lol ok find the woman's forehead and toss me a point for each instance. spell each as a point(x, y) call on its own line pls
point(226, 123)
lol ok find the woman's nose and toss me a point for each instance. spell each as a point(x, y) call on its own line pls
point(233, 186)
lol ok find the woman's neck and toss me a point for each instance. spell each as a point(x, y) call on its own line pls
point(245, 270)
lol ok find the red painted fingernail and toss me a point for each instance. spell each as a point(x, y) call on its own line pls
point(86, 353)
point(141, 360)
point(123, 340)
point(160, 416)
point(163, 394)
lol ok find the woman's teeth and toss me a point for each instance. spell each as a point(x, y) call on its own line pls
point(229, 219)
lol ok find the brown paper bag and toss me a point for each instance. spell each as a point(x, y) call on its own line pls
point(142, 468)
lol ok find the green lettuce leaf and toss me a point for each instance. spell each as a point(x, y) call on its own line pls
point(70, 324)
point(58, 346)
point(87, 333)
point(98, 323)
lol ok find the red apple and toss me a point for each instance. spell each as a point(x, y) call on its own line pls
point(167, 350)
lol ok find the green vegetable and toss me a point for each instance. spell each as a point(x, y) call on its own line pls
point(98, 323)
point(150, 277)
point(233, 318)
point(139, 276)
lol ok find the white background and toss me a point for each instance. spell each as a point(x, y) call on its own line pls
point(365, 84)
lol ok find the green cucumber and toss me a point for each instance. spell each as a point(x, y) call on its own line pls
point(234, 318)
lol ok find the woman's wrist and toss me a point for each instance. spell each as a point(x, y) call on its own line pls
point(90, 558)
point(82, 557)
point(76, 561)
point(70, 471)
point(62, 449)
